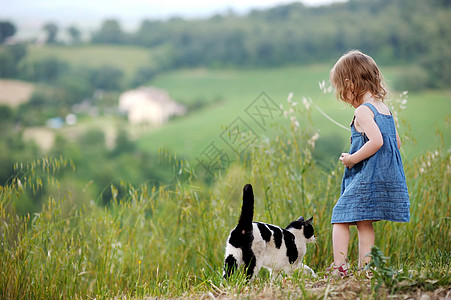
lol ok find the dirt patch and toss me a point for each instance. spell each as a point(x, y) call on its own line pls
point(44, 137)
point(15, 92)
point(349, 288)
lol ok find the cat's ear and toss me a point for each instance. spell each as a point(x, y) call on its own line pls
point(309, 221)
point(301, 219)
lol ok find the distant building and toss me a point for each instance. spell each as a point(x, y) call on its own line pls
point(55, 123)
point(149, 105)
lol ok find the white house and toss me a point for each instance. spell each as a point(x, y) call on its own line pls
point(149, 105)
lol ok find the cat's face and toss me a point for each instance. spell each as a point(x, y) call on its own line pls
point(305, 226)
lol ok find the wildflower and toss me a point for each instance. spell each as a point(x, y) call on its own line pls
point(306, 102)
point(285, 114)
point(117, 245)
point(311, 142)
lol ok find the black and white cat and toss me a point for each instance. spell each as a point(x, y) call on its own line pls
point(258, 245)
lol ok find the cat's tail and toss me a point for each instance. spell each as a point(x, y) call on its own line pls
point(247, 209)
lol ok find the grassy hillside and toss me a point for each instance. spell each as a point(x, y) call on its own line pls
point(126, 58)
point(224, 95)
point(230, 92)
point(234, 89)
point(169, 242)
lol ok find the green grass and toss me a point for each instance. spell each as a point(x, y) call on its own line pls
point(169, 242)
point(236, 89)
point(226, 93)
point(126, 58)
point(230, 92)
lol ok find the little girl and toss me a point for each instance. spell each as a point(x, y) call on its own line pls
point(374, 186)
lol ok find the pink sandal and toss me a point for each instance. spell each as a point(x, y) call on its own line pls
point(340, 271)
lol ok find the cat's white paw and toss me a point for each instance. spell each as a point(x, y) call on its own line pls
point(309, 271)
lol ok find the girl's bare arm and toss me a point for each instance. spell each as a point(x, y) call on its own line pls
point(365, 120)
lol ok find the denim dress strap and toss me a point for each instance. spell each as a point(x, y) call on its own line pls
point(371, 106)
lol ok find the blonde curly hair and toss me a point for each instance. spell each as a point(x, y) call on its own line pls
point(357, 73)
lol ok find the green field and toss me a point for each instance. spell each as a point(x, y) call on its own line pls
point(224, 94)
point(168, 241)
point(235, 90)
point(126, 58)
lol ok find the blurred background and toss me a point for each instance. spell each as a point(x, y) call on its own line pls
point(125, 88)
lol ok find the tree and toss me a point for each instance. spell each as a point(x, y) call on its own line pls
point(8, 67)
point(75, 87)
point(52, 31)
point(6, 116)
point(123, 144)
point(10, 56)
point(74, 34)
point(109, 33)
point(438, 66)
point(46, 70)
point(19, 51)
point(107, 78)
point(7, 29)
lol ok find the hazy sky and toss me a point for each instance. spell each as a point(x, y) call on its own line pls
point(88, 13)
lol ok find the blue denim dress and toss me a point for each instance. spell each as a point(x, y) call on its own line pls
point(375, 188)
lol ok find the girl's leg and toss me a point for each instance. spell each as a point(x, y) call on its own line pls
point(366, 241)
point(340, 239)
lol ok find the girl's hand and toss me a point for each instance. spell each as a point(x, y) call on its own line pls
point(345, 158)
point(365, 120)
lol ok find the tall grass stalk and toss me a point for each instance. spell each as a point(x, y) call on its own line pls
point(169, 241)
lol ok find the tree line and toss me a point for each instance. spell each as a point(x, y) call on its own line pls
point(410, 32)
point(416, 33)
